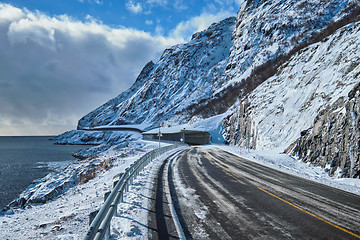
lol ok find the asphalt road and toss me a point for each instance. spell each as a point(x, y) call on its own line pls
point(223, 196)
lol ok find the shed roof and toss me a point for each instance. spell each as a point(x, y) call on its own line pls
point(172, 130)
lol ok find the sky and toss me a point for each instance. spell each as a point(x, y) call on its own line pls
point(60, 60)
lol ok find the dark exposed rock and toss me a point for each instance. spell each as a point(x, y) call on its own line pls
point(239, 128)
point(285, 105)
point(333, 141)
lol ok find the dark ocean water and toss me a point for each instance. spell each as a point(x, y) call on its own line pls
point(24, 159)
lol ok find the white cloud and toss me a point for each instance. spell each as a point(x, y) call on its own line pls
point(149, 22)
point(9, 13)
point(229, 2)
point(56, 69)
point(186, 28)
point(146, 6)
point(180, 5)
point(157, 2)
point(134, 7)
point(159, 30)
point(98, 2)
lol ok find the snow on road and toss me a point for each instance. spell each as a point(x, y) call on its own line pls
point(132, 219)
point(66, 217)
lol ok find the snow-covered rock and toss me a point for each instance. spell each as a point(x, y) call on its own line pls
point(333, 140)
point(276, 112)
point(185, 74)
point(266, 30)
point(103, 140)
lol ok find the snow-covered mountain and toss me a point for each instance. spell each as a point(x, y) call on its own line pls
point(270, 70)
point(205, 76)
point(267, 34)
point(184, 75)
point(267, 30)
point(287, 103)
point(308, 96)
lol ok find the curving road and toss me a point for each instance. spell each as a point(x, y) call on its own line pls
point(223, 196)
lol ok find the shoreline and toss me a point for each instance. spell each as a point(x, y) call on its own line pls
point(28, 159)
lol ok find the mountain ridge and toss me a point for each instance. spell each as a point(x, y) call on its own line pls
point(265, 36)
point(184, 66)
point(232, 66)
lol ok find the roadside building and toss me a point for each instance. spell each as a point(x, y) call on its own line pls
point(192, 137)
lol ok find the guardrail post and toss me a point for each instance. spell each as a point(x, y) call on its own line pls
point(106, 195)
point(92, 215)
point(121, 197)
point(115, 182)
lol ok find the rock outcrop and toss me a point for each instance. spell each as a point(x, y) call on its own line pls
point(334, 140)
point(267, 35)
point(287, 103)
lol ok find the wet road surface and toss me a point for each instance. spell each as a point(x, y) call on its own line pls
point(224, 196)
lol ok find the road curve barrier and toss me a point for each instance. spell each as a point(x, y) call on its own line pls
point(100, 225)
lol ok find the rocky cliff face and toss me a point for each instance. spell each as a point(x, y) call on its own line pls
point(184, 75)
point(267, 34)
point(287, 103)
point(333, 141)
point(266, 30)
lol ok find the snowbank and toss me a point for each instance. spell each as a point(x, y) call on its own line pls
point(103, 140)
point(66, 216)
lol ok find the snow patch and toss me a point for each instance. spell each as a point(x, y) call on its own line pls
point(283, 162)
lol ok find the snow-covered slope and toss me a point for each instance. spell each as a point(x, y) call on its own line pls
point(287, 61)
point(184, 75)
point(279, 109)
point(267, 34)
point(268, 29)
point(332, 142)
point(222, 64)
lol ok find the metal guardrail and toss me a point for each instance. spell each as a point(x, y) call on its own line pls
point(100, 226)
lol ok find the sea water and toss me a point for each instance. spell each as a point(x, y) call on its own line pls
point(24, 159)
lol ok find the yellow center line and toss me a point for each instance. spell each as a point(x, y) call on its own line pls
point(311, 214)
point(293, 205)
